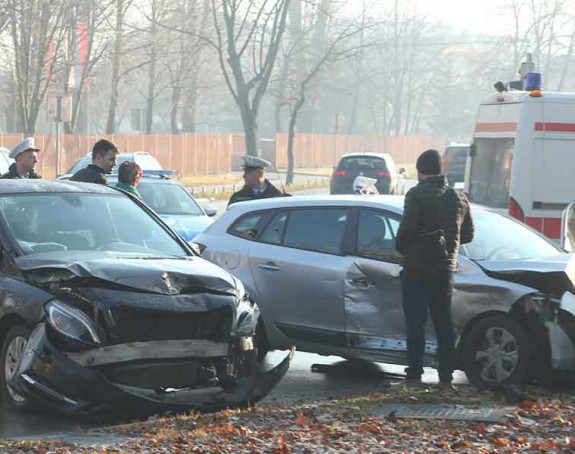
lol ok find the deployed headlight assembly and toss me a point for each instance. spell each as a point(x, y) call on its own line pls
point(71, 322)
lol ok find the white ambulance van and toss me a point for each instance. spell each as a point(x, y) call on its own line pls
point(522, 158)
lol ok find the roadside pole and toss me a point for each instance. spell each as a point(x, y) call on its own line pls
point(58, 133)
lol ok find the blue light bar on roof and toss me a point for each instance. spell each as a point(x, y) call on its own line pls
point(533, 81)
point(162, 172)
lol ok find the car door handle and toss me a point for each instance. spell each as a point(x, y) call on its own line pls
point(269, 266)
point(360, 282)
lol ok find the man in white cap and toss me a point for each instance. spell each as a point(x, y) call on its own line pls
point(25, 160)
point(256, 185)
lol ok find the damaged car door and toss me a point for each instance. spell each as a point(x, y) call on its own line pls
point(298, 268)
point(372, 287)
point(104, 308)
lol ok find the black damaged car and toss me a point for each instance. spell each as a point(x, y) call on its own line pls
point(103, 307)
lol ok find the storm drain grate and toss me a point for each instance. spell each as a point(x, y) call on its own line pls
point(453, 412)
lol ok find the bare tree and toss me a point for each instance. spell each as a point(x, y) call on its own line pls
point(248, 38)
point(37, 33)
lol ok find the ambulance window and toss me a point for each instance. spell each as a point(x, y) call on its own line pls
point(491, 172)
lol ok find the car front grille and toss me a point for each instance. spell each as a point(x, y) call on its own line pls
point(142, 325)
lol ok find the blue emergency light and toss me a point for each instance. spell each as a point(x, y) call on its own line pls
point(533, 81)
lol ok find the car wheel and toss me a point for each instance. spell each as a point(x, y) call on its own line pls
point(11, 353)
point(496, 350)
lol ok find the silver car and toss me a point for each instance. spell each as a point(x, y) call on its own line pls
point(325, 273)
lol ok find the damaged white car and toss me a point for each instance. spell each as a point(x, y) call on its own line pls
point(104, 308)
point(325, 274)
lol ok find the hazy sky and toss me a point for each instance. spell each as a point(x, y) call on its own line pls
point(475, 15)
point(478, 15)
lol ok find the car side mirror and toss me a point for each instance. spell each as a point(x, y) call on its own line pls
point(211, 210)
point(568, 228)
point(472, 149)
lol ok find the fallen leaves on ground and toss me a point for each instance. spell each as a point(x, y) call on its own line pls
point(346, 425)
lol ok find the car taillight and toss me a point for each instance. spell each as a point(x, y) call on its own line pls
point(339, 173)
point(515, 210)
point(382, 174)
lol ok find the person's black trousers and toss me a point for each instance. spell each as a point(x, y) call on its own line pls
point(423, 289)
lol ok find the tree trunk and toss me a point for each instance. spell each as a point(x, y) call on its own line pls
point(152, 71)
point(111, 123)
point(291, 136)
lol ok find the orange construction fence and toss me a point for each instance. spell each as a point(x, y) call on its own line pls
point(200, 154)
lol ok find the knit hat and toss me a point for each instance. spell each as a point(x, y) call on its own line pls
point(429, 162)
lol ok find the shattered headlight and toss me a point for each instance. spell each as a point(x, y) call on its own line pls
point(247, 314)
point(71, 322)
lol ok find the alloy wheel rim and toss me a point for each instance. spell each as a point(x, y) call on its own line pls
point(14, 353)
point(498, 357)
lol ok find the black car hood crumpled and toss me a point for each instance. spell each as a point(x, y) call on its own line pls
point(167, 276)
point(555, 274)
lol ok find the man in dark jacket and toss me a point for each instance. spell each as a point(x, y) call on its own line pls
point(256, 185)
point(103, 162)
point(436, 220)
point(25, 160)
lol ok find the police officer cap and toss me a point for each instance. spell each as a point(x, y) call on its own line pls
point(28, 144)
point(253, 162)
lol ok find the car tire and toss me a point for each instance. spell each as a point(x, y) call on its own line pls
point(12, 350)
point(496, 351)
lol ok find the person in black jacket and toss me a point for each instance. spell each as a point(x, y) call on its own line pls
point(25, 160)
point(103, 162)
point(436, 220)
point(256, 185)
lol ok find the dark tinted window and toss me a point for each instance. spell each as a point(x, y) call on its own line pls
point(249, 225)
point(376, 236)
point(316, 230)
point(275, 230)
point(363, 164)
point(456, 152)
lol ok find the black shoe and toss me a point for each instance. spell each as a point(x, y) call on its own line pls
point(413, 382)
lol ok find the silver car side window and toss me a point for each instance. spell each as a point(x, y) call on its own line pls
point(376, 236)
point(319, 230)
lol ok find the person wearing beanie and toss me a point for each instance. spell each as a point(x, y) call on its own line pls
point(436, 221)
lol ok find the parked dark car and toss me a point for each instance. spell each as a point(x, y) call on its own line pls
point(454, 162)
point(104, 307)
point(174, 204)
point(372, 165)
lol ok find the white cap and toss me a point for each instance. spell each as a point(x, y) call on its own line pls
point(253, 162)
point(28, 144)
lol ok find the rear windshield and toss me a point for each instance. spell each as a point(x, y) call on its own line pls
point(363, 164)
point(456, 152)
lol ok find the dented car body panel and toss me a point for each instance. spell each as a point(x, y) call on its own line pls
point(507, 271)
point(119, 325)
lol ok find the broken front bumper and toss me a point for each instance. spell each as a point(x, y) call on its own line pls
point(75, 383)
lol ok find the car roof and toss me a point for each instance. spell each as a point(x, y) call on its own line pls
point(368, 154)
point(149, 179)
point(20, 186)
point(390, 202)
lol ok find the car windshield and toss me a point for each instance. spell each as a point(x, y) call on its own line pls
point(500, 238)
point(363, 164)
point(170, 199)
point(85, 222)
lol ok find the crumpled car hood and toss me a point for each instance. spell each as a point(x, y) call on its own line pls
point(168, 276)
point(555, 274)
